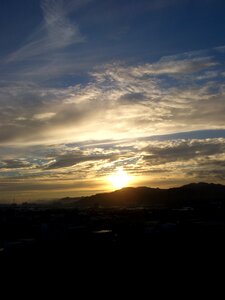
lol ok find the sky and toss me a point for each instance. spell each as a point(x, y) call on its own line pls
point(88, 87)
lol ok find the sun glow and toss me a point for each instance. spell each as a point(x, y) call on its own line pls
point(119, 178)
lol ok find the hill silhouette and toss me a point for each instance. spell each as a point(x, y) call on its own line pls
point(182, 224)
point(190, 195)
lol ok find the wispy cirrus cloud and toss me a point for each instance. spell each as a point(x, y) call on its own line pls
point(56, 32)
point(174, 65)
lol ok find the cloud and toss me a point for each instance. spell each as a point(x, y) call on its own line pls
point(74, 159)
point(56, 32)
point(118, 100)
point(182, 150)
point(175, 66)
point(14, 164)
point(220, 49)
point(160, 121)
point(132, 98)
point(61, 32)
point(62, 167)
point(43, 116)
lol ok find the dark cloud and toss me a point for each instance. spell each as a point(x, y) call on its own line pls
point(132, 98)
point(73, 159)
point(181, 150)
point(208, 170)
point(15, 164)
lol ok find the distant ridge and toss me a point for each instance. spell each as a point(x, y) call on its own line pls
point(200, 185)
point(193, 194)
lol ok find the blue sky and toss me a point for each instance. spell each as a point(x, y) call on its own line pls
point(89, 33)
point(89, 86)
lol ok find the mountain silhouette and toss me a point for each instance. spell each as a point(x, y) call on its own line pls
point(190, 195)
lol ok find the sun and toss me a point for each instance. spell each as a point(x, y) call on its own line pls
point(119, 178)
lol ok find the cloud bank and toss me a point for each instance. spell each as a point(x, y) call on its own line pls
point(119, 101)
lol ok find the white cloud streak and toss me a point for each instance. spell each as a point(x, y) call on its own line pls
point(55, 33)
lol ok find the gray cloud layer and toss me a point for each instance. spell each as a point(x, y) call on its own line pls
point(119, 101)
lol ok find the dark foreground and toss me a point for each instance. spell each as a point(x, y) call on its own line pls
point(104, 234)
point(152, 235)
